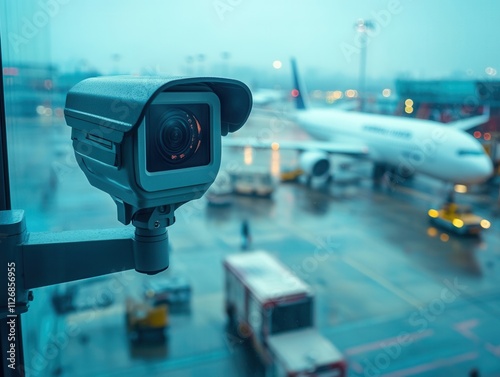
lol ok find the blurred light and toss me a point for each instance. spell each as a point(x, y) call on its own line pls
point(490, 71)
point(409, 102)
point(277, 64)
point(47, 111)
point(433, 213)
point(317, 94)
point(248, 155)
point(487, 136)
point(386, 92)
point(337, 94)
point(295, 93)
point(10, 71)
point(408, 109)
point(275, 163)
point(40, 110)
point(275, 146)
point(331, 97)
point(47, 84)
point(477, 134)
point(458, 223)
point(59, 112)
point(461, 189)
point(432, 232)
point(444, 237)
point(485, 224)
point(351, 93)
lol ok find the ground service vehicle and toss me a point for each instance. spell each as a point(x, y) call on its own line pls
point(275, 309)
point(458, 219)
point(172, 290)
point(146, 323)
point(291, 175)
point(254, 183)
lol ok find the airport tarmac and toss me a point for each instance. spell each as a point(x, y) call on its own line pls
point(397, 297)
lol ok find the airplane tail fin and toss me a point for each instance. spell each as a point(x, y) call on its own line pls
point(299, 91)
point(468, 123)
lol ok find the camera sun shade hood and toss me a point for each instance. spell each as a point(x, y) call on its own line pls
point(119, 102)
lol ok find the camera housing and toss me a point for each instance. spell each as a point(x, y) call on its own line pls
point(153, 143)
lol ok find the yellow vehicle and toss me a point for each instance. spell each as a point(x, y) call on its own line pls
point(146, 323)
point(458, 219)
point(291, 175)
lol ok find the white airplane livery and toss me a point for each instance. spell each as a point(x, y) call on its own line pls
point(402, 145)
point(405, 145)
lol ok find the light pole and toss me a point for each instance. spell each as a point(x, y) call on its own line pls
point(362, 27)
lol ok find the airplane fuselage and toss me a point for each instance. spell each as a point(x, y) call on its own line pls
point(409, 145)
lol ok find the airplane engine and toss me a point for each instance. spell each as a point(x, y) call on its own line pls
point(314, 164)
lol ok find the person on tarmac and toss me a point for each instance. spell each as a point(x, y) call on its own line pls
point(245, 233)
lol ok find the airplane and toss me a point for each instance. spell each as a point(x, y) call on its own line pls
point(402, 146)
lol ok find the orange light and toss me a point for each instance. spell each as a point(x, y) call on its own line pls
point(10, 71)
point(409, 102)
point(337, 94)
point(248, 155)
point(295, 93)
point(275, 146)
point(487, 136)
point(477, 134)
point(444, 237)
point(351, 93)
point(432, 232)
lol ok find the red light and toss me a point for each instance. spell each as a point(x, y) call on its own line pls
point(10, 71)
point(295, 93)
point(487, 136)
point(477, 134)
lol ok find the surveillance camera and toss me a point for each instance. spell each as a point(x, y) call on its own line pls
point(153, 143)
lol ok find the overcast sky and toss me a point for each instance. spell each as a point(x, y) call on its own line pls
point(425, 38)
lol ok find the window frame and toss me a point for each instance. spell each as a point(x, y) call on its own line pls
point(5, 200)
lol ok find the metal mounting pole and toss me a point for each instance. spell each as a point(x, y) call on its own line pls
point(40, 259)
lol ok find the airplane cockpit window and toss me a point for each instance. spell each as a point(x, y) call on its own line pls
point(342, 173)
point(470, 152)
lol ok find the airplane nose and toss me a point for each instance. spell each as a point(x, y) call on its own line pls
point(483, 170)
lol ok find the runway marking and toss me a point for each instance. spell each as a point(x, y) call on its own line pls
point(433, 365)
point(383, 342)
point(495, 350)
point(465, 328)
point(383, 282)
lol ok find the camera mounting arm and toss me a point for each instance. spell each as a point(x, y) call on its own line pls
point(33, 260)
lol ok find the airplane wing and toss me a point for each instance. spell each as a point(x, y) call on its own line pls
point(299, 145)
point(468, 123)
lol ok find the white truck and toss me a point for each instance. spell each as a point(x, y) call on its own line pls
point(270, 305)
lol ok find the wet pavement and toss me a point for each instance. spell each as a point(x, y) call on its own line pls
point(397, 297)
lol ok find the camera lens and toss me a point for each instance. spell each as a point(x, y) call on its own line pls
point(179, 135)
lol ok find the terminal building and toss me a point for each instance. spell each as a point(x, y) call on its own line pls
point(449, 100)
